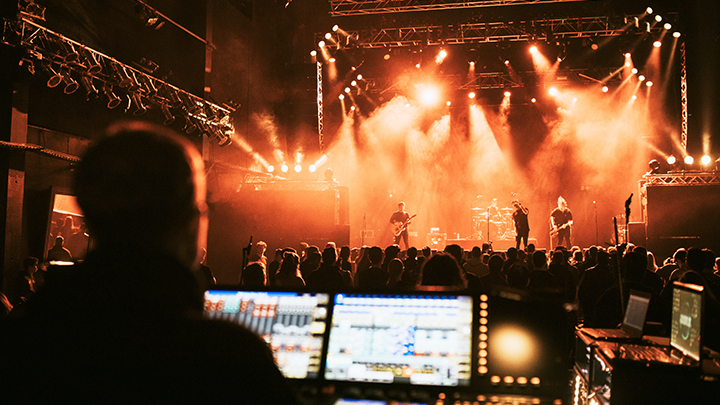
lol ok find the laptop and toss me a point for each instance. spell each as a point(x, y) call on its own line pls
point(633, 321)
point(685, 342)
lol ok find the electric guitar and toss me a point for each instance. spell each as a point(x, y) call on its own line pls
point(399, 227)
point(555, 231)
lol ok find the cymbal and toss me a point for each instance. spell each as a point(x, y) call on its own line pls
point(478, 209)
point(507, 209)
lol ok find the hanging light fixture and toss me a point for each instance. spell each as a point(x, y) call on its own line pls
point(113, 100)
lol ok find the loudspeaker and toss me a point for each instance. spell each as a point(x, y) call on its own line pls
point(636, 234)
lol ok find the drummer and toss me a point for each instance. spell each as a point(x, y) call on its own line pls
point(493, 212)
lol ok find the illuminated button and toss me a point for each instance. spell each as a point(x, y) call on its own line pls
point(557, 402)
point(536, 401)
point(483, 345)
point(495, 398)
point(482, 370)
point(483, 353)
point(482, 361)
point(483, 305)
point(483, 321)
point(522, 380)
point(481, 398)
point(508, 379)
point(441, 395)
point(483, 336)
point(483, 329)
point(495, 380)
point(483, 297)
point(484, 313)
point(535, 381)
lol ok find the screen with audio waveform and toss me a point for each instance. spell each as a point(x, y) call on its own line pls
point(291, 323)
point(411, 339)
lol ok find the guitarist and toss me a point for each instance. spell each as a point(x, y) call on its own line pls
point(561, 220)
point(400, 220)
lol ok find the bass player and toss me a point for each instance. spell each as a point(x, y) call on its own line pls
point(561, 220)
point(400, 221)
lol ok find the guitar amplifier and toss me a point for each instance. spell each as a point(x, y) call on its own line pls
point(436, 240)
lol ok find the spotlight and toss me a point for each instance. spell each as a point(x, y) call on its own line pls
point(506, 93)
point(298, 168)
point(654, 166)
point(321, 44)
point(352, 108)
point(353, 83)
point(671, 160)
point(689, 160)
point(141, 109)
point(113, 100)
point(649, 83)
point(55, 77)
point(341, 97)
point(472, 63)
point(284, 168)
point(91, 63)
point(313, 53)
point(271, 169)
point(634, 70)
point(312, 168)
point(169, 118)
point(676, 34)
point(120, 72)
point(417, 66)
point(627, 55)
point(332, 59)
point(335, 28)
point(190, 126)
point(658, 18)
point(605, 89)
point(471, 94)
point(641, 78)
point(507, 62)
point(633, 98)
point(386, 56)
point(657, 44)
point(627, 65)
point(359, 77)
point(71, 85)
point(441, 56)
point(448, 103)
point(553, 91)
point(705, 160)
point(649, 10)
point(328, 35)
point(533, 49)
point(667, 26)
point(347, 90)
point(90, 90)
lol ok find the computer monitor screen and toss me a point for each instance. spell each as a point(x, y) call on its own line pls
point(635, 313)
point(411, 339)
point(293, 324)
point(686, 324)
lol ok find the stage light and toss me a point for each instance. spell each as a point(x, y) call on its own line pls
point(667, 26)
point(471, 94)
point(448, 103)
point(90, 90)
point(55, 77)
point(341, 97)
point(628, 64)
point(71, 85)
point(347, 90)
point(507, 94)
point(689, 160)
point(298, 168)
point(332, 59)
point(533, 100)
point(658, 18)
point(594, 46)
point(417, 66)
point(140, 109)
point(284, 168)
point(657, 44)
point(676, 34)
point(313, 53)
point(507, 62)
point(641, 78)
point(353, 83)
point(335, 28)
point(472, 63)
point(271, 169)
point(628, 55)
point(441, 56)
point(634, 70)
point(671, 160)
point(359, 77)
point(705, 160)
point(633, 98)
point(312, 168)
point(553, 91)
point(386, 56)
point(429, 95)
point(533, 49)
point(605, 89)
point(113, 100)
point(352, 108)
point(189, 126)
point(649, 83)
point(321, 44)
point(649, 10)
point(328, 35)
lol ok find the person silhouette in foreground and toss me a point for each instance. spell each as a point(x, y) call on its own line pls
point(126, 325)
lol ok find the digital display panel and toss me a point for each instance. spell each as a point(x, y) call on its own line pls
point(293, 324)
point(686, 324)
point(411, 339)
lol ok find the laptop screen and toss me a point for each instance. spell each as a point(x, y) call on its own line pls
point(411, 339)
point(686, 323)
point(292, 324)
point(636, 312)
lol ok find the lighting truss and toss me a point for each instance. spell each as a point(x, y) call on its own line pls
point(52, 50)
point(680, 179)
point(479, 32)
point(340, 8)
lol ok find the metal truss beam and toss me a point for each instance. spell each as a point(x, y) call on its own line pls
point(339, 8)
point(530, 30)
point(681, 179)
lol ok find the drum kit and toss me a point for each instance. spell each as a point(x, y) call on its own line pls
point(493, 223)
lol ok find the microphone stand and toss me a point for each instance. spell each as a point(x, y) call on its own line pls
point(619, 269)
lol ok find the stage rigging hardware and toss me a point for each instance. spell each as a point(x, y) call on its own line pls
point(62, 58)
